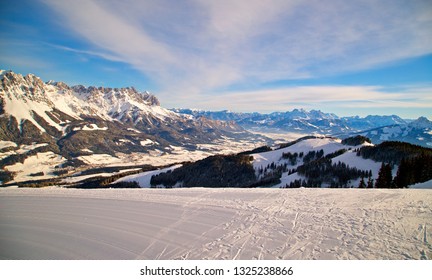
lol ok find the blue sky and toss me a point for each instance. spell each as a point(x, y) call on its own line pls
point(347, 57)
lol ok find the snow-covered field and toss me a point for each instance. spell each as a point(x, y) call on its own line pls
point(56, 223)
point(41, 162)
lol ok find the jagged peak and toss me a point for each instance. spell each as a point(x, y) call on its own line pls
point(78, 99)
point(11, 76)
point(33, 81)
point(117, 93)
point(3, 72)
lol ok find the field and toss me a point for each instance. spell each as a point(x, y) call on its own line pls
point(305, 224)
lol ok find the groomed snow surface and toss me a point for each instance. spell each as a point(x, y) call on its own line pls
point(56, 223)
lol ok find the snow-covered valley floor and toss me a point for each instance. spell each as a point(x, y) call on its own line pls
point(55, 223)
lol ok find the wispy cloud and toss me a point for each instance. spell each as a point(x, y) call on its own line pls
point(100, 54)
point(194, 47)
point(115, 37)
point(206, 44)
point(314, 97)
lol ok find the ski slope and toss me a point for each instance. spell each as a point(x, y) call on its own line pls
point(305, 224)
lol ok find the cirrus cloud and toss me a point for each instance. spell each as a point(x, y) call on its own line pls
point(199, 51)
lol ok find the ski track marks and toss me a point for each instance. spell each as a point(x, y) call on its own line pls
point(55, 223)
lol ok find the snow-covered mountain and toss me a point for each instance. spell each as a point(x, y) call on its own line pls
point(76, 125)
point(298, 120)
point(55, 104)
point(378, 128)
point(417, 132)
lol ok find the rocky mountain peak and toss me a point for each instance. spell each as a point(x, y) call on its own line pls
point(29, 87)
point(151, 99)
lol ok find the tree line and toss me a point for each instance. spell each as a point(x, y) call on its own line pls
point(410, 171)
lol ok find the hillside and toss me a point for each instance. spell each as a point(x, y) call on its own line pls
point(307, 162)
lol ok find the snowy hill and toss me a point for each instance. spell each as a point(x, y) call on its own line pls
point(307, 162)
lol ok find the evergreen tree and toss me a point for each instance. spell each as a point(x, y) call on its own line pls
point(362, 184)
point(370, 183)
point(402, 179)
point(384, 179)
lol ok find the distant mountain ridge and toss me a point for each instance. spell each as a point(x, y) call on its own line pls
point(418, 132)
point(378, 128)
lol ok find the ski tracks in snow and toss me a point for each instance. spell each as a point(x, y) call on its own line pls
point(216, 224)
point(321, 224)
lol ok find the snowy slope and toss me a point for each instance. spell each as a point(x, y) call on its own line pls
point(43, 163)
point(216, 224)
point(143, 179)
point(275, 158)
point(329, 145)
point(425, 185)
point(359, 162)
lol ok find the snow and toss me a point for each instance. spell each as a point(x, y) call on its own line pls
point(143, 179)
point(328, 145)
point(287, 179)
point(22, 149)
point(176, 154)
point(90, 127)
point(76, 179)
point(7, 144)
point(160, 158)
point(75, 101)
point(147, 142)
point(41, 162)
point(133, 129)
point(26, 148)
point(100, 159)
point(351, 159)
point(391, 132)
point(219, 224)
point(21, 109)
point(425, 185)
point(125, 141)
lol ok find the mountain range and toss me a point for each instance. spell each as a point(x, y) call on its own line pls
point(73, 126)
point(377, 128)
